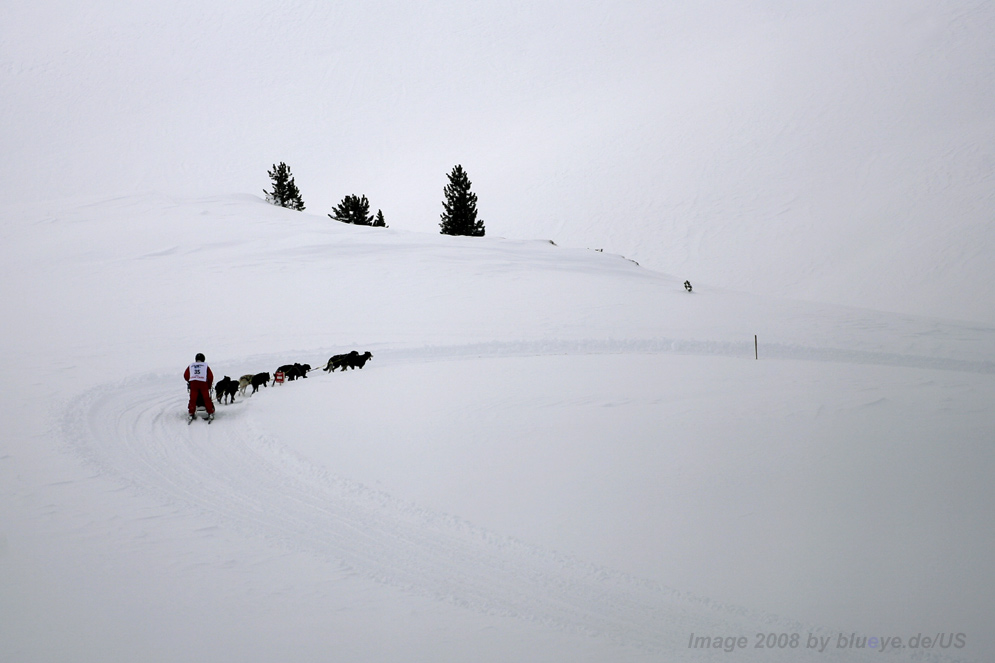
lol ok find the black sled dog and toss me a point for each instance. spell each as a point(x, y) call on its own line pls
point(224, 390)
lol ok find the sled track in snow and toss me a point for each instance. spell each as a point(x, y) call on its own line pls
point(237, 474)
point(739, 350)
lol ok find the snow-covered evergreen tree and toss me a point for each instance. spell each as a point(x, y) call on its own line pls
point(285, 192)
point(353, 209)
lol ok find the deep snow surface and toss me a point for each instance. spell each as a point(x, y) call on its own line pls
point(554, 455)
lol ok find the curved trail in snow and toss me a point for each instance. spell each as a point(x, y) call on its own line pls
point(740, 350)
point(240, 475)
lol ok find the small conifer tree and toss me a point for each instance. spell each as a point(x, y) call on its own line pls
point(460, 207)
point(285, 192)
point(378, 222)
point(353, 209)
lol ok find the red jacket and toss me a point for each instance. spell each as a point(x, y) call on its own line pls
point(199, 371)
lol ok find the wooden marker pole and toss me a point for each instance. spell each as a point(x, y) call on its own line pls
point(756, 351)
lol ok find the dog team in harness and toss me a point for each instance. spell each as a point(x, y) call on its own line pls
point(200, 380)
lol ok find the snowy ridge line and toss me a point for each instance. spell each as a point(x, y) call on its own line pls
point(240, 477)
point(743, 350)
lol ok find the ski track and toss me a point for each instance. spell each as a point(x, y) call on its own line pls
point(237, 474)
point(741, 350)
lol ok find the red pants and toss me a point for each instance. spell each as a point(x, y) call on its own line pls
point(202, 389)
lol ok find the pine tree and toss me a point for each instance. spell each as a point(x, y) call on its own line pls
point(378, 222)
point(353, 209)
point(285, 192)
point(460, 205)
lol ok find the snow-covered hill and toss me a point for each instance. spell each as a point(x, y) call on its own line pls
point(829, 151)
point(554, 455)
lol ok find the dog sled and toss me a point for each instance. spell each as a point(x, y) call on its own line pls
point(200, 409)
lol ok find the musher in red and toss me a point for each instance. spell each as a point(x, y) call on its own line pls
point(199, 379)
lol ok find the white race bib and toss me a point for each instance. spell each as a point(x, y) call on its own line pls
point(198, 371)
